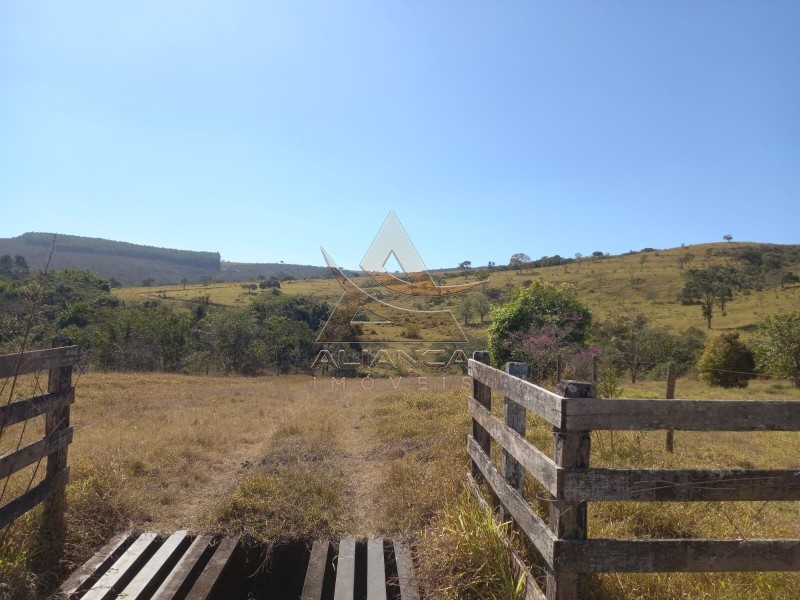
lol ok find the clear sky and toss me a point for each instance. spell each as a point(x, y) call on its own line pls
point(263, 130)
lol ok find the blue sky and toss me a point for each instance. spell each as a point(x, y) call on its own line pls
point(263, 130)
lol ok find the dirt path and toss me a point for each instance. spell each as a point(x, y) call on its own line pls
point(180, 445)
point(363, 470)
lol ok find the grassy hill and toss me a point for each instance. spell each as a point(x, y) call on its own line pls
point(131, 264)
point(647, 281)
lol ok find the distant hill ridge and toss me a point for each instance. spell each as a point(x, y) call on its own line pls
point(131, 264)
point(76, 243)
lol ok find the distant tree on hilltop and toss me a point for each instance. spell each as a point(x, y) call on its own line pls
point(518, 260)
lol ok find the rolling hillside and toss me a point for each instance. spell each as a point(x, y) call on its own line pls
point(647, 281)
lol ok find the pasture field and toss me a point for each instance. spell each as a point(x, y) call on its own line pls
point(227, 294)
point(280, 458)
point(648, 282)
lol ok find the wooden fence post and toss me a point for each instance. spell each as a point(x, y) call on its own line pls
point(558, 367)
point(514, 415)
point(568, 519)
point(482, 394)
point(670, 395)
point(53, 527)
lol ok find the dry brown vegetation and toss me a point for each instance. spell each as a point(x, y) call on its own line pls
point(280, 458)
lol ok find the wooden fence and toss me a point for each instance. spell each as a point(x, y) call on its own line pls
point(574, 412)
point(54, 405)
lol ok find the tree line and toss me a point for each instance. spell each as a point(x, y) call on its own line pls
point(275, 333)
point(543, 323)
point(538, 323)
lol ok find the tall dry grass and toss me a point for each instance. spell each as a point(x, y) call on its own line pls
point(276, 458)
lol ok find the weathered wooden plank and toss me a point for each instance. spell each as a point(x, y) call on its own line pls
point(93, 568)
point(37, 360)
point(181, 573)
point(482, 394)
point(686, 485)
point(14, 461)
point(532, 589)
point(151, 574)
point(205, 585)
point(530, 523)
point(37, 494)
point(672, 376)
point(543, 403)
point(376, 570)
point(536, 462)
point(568, 519)
point(54, 507)
point(514, 417)
point(406, 576)
point(345, 570)
point(22, 410)
point(112, 581)
point(689, 556)
point(688, 415)
point(315, 574)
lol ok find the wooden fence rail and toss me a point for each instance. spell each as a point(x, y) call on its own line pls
point(52, 448)
point(574, 412)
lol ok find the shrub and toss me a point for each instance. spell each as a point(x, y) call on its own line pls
point(727, 362)
point(538, 307)
point(777, 346)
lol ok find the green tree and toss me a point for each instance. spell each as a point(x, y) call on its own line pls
point(15, 269)
point(711, 287)
point(519, 260)
point(685, 260)
point(482, 306)
point(727, 362)
point(271, 283)
point(230, 337)
point(537, 306)
point(6, 266)
point(628, 342)
point(465, 310)
point(21, 270)
point(777, 346)
point(286, 344)
point(684, 349)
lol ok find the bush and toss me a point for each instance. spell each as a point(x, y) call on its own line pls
point(777, 346)
point(727, 362)
point(538, 307)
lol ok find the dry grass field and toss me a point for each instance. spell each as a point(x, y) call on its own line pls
point(282, 458)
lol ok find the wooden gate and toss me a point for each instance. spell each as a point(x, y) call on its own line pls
point(574, 413)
